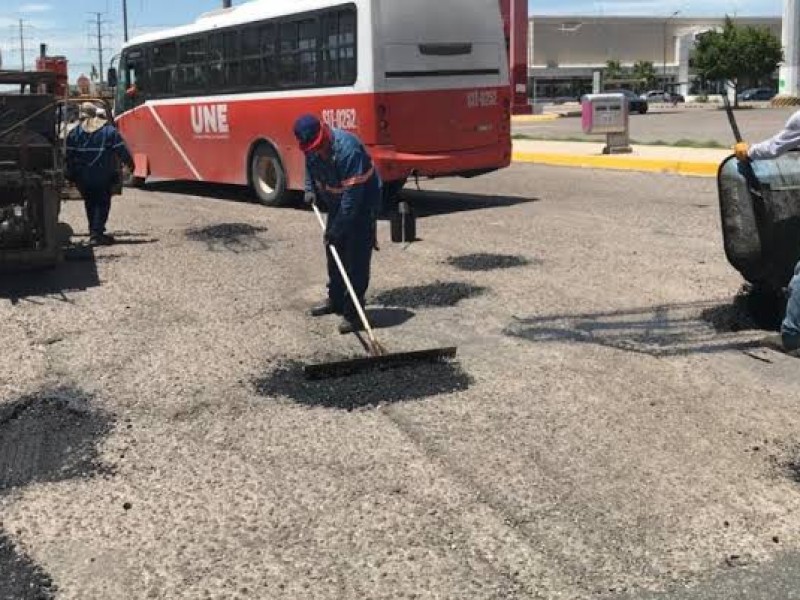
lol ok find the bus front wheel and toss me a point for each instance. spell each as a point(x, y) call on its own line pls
point(267, 177)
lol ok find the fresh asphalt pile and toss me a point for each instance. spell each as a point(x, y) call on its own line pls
point(52, 436)
point(364, 390)
point(435, 295)
point(234, 237)
point(20, 578)
point(487, 262)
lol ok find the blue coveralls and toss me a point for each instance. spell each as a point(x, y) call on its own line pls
point(787, 139)
point(91, 165)
point(350, 186)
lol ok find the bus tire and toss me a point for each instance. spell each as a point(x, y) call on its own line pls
point(268, 177)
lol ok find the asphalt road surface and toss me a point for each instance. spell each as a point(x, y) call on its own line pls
point(672, 125)
point(611, 429)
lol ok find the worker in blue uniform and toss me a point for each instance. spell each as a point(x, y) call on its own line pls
point(786, 140)
point(340, 174)
point(93, 148)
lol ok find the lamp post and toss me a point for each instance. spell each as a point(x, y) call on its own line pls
point(125, 19)
point(666, 22)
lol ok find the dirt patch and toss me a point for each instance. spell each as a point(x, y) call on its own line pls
point(231, 237)
point(364, 390)
point(751, 309)
point(488, 262)
point(52, 436)
point(435, 295)
point(20, 578)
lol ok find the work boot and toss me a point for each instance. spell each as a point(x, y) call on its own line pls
point(101, 240)
point(322, 310)
point(348, 326)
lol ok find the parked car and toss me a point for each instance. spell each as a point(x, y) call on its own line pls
point(636, 104)
point(757, 95)
point(662, 96)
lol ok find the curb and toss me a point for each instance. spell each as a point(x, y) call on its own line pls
point(535, 118)
point(620, 163)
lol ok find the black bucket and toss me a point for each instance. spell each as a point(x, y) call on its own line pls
point(404, 224)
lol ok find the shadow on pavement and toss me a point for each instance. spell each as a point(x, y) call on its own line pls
point(22, 579)
point(386, 318)
point(77, 273)
point(660, 331)
point(430, 204)
point(212, 191)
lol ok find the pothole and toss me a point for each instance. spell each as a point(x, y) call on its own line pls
point(439, 294)
point(234, 237)
point(488, 262)
point(51, 436)
point(21, 578)
point(364, 390)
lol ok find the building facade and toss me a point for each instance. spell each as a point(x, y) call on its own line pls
point(564, 53)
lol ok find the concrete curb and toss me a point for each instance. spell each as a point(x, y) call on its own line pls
point(620, 163)
point(535, 118)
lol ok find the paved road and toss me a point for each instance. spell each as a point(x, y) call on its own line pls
point(672, 125)
point(604, 435)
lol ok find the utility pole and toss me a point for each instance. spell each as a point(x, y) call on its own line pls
point(125, 19)
point(666, 22)
point(98, 23)
point(22, 42)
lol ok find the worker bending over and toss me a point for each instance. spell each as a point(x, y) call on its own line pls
point(788, 139)
point(340, 173)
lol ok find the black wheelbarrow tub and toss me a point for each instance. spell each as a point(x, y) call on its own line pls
point(760, 209)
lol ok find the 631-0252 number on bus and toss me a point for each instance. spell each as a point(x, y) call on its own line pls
point(341, 118)
point(480, 98)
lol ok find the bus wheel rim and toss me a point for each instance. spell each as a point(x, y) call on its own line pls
point(266, 175)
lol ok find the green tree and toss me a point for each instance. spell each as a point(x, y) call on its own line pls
point(737, 55)
point(645, 72)
point(613, 70)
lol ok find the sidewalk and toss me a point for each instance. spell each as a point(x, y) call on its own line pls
point(697, 162)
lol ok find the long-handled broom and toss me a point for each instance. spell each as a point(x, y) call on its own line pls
point(378, 357)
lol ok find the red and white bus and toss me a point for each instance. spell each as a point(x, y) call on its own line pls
point(423, 83)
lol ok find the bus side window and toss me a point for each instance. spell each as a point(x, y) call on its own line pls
point(192, 70)
point(339, 47)
point(165, 63)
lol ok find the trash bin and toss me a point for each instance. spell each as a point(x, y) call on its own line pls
point(760, 210)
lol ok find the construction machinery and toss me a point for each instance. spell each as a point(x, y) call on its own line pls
point(31, 170)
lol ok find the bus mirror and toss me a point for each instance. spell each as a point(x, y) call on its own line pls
point(112, 77)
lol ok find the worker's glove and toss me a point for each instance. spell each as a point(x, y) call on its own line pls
point(742, 151)
point(310, 198)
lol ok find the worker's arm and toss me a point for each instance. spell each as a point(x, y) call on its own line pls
point(120, 149)
point(356, 169)
point(788, 139)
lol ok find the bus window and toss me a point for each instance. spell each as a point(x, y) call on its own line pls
point(298, 53)
point(269, 52)
point(192, 70)
point(132, 88)
point(251, 57)
point(224, 63)
point(164, 64)
point(339, 47)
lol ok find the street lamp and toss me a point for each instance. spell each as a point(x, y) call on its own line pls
point(666, 22)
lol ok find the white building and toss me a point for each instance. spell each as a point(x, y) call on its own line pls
point(565, 52)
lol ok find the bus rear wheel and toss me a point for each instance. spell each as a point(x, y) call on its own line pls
point(268, 177)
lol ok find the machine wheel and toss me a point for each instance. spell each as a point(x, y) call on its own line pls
point(643, 110)
point(268, 177)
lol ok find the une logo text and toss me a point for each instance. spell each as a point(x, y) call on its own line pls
point(210, 119)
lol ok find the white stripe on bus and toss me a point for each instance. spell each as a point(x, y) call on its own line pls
point(175, 143)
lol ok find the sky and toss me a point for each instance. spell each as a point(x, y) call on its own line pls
point(70, 26)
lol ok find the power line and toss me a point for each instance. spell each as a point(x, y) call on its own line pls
point(98, 22)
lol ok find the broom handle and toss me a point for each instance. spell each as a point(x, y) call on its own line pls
point(362, 315)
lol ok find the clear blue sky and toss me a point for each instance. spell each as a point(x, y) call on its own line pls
point(73, 31)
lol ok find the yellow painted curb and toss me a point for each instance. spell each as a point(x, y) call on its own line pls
point(535, 118)
point(620, 163)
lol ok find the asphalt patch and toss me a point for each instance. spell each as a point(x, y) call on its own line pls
point(487, 262)
point(364, 390)
point(232, 237)
point(51, 436)
point(21, 578)
point(751, 309)
point(435, 295)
